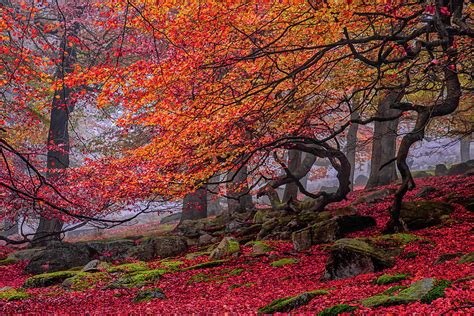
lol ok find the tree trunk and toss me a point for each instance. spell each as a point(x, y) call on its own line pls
point(49, 229)
point(195, 205)
point(294, 163)
point(238, 198)
point(465, 143)
point(384, 143)
point(352, 146)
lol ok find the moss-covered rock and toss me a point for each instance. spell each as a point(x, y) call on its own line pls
point(13, 294)
point(84, 280)
point(128, 267)
point(283, 262)
point(208, 264)
point(138, 279)
point(422, 214)
point(337, 309)
point(447, 257)
point(467, 258)
point(148, 295)
point(391, 278)
point(289, 303)
point(218, 277)
point(436, 292)
point(394, 289)
point(8, 261)
point(48, 279)
point(171, 265)
point(197, 254)
point(259, 247)
point(399, 239)
point(228, 246)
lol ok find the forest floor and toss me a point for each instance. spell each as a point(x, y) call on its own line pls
point(246, 283)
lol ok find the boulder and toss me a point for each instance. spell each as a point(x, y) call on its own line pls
point(351, 257)
point(205, 239)
point(92, 266)
point(289, 303)
point(441, 170)
point(161, 246)
point(326, 231)
point(110, 250)
point(426, 191)
point(422, 214)
point(60, 256)
point(458, 169)
point(302, 239)
point(25, 254)
point(228, 246)
point(260, 248)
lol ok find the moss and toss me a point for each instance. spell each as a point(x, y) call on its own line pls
point(289, 303)
point(208, 264)
point(171, 265)
point(467, 258)
point(436, 292)
point(8, 261)
point(411, 255)
point(138, 279)
point(283, 262)
point(194, 255)
point(393, 289)
point(236, 272)
point(149, 294)
point(48, 279)
point(83, 280)
point(384, 300)
point(129, 267)
point(234, 246)
point(235, 286)
point(337, 309)
point(13, 295)
point(263, 247)
point(390, 278)
point(399, 238)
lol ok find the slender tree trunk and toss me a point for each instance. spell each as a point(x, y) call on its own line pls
point(294, 163)
point(58, 139)
point(195, 205)
point(384, 143)
point(465, 143)
point(238, 198)
point(352, 146)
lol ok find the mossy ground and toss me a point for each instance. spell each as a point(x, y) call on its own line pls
point(129, 267)
point(208, 264)
point(13, 295)
point(83, 280)
point(391, 278)
point(283, 262)
point(289, 303)
point(8, 261)
point(138, 279)
point(337, 309)
point(48, 279)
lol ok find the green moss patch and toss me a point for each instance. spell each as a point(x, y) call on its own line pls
point(138, 279)
point(394, 289)
point(467, 258)
point(171, 265)
point(48, 279)
point(398, 239)
point(337, 309)
point(391, 278)
point(208, 264)
point(8, 261)
point(289, 303)
point(436, 292)
point(283, 262)
point(83, 280)
point(194, 255)
point(129, 267)
point(13, 295)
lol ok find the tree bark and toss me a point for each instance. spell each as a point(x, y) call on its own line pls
point(49, 229)
point(195, 205)
point(294, 163)
point(384, 142)
point(352, 145)
point(238, 198)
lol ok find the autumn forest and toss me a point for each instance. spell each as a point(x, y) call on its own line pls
point(246, 157)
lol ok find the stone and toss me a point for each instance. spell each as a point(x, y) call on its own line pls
point(26, 254)
point(286, 304)
point(283, 262)
point(351, 256)
point(361, 180)
point(422, 214)
point(260, 248)
point(60, 256)
point(205, 239)
point(458, 169)
point(390, 278)
point(352, 223)
point(161, 246)
point(48, 279)
point(110, 250)
point(302, 239)
point(441, 170)
point(426, 191)
point(137, 279)
point(148, 295)
point(325, 232)
point(92, 266)
point(226, 247)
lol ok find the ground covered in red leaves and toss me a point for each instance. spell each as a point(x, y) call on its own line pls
point(260, 283)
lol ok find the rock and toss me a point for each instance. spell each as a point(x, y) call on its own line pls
point(259, 247)
point(60, 256)
point(351, 257)
point(390, 278)
point(441, 170)
point(324, 232)
point(205, 239)
point(110, 250)
point(283, 262)
point(422, 214)
point(467, 258)
point(446, 257)
point(171, 218)
point(48, 279)
point(337, 309)
point(426, 191)
point(302, 239)
point(161, 246)
point(421, 174)
point(424, 290)
point(84, 281)
point(286, 304)
point(195, 228)
point(374, 196)
point(458, 169)
point(264, 215)
point(149, 294)
point(226, 247)
point(25, 254)
point(137, 279)
point(92, 266)
point(361, 180)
